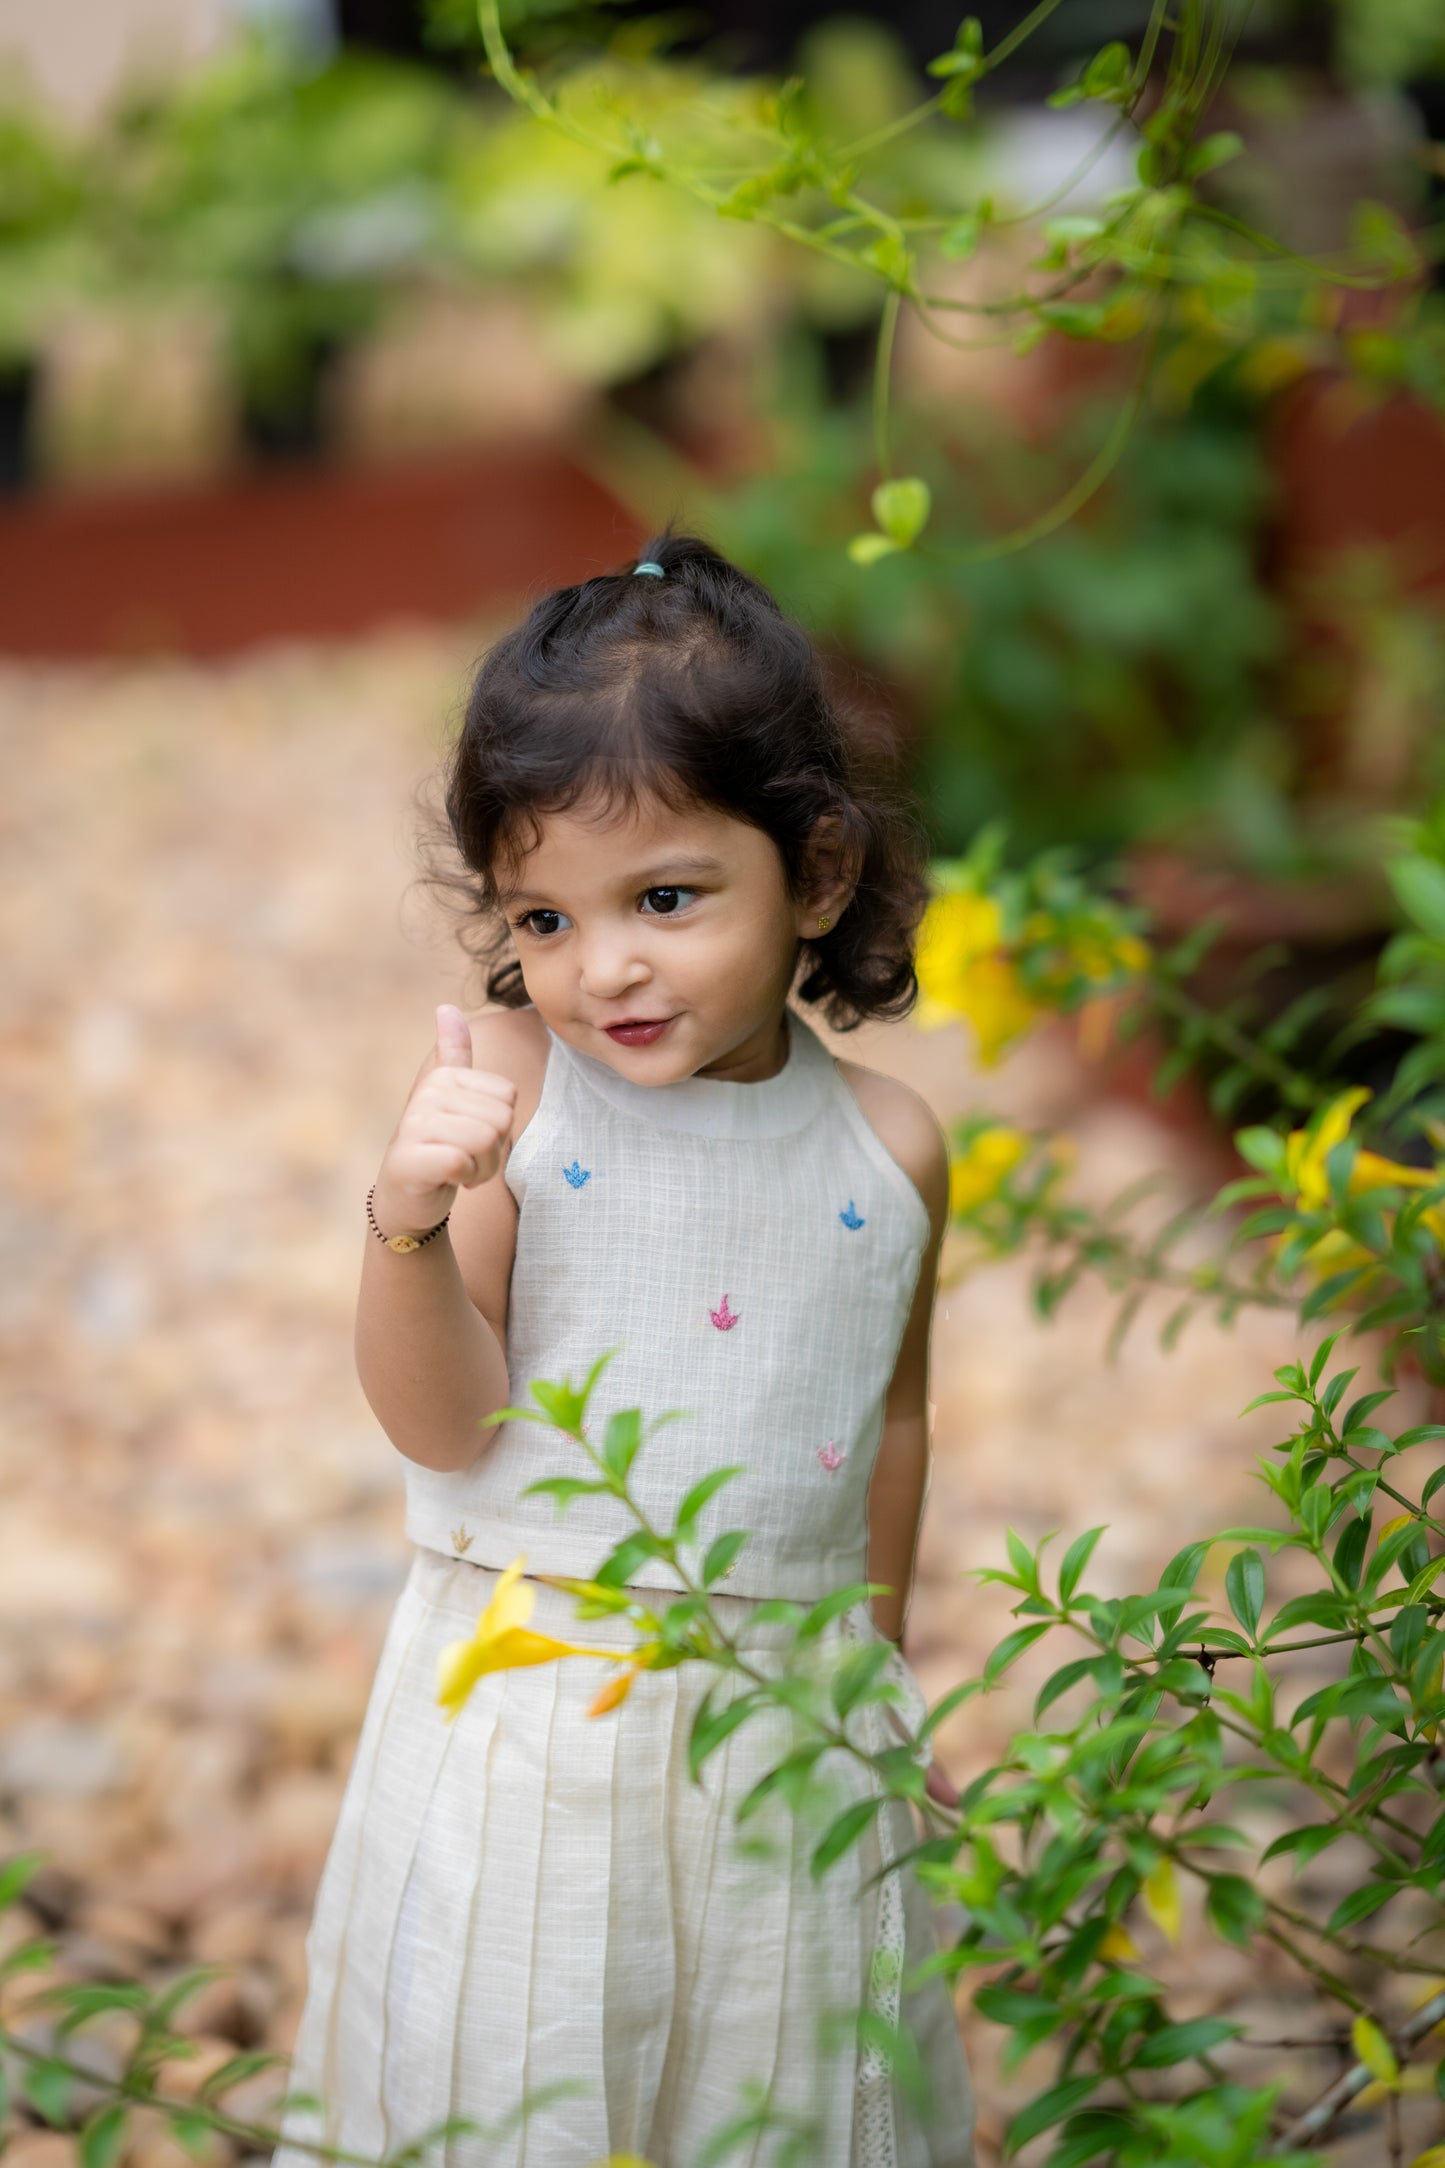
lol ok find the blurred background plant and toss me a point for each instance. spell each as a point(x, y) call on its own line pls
point(1144, 311)
point(1131, 535)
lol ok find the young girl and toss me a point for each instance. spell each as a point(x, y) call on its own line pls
point(640, 1144)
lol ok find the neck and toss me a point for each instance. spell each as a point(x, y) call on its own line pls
point(754, 1059)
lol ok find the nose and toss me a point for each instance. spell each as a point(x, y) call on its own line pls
point(608, 963)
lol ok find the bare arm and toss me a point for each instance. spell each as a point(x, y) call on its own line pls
point(907, 1127)
point(431, 1323)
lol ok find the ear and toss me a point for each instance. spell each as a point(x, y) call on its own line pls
point(829, 875)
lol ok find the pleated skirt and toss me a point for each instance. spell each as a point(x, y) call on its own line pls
point(531, 1907)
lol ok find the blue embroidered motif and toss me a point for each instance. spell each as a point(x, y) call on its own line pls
point(851, 1218)
point(577, 1174)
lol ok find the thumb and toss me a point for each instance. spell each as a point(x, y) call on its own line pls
point(454, 1038)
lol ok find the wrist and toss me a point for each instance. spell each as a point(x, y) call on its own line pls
point(393, 1229)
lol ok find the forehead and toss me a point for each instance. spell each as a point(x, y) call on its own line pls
point(601, 844)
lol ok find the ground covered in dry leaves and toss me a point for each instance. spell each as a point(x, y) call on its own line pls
point(219, 983)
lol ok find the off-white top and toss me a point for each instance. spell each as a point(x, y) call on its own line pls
point(751, 1252)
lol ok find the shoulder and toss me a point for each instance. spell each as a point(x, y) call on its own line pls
point(908, 1128)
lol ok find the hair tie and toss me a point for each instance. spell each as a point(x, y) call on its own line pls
point(657, 571)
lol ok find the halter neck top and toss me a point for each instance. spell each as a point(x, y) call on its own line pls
point(750, 1251)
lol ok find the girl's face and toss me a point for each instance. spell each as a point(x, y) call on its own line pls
point(663, 943)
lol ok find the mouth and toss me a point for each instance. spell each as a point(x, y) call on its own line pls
point(638, 1030)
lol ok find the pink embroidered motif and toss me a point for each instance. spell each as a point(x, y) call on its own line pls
point(724, 1319)
point(830, 1456)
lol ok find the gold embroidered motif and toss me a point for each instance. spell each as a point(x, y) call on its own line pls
point(462, 1538)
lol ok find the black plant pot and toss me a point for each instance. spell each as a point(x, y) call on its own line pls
point(17, 405)
point(1427, 95)
point(283, 427)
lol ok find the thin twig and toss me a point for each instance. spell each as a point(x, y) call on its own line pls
point(1332, 2104)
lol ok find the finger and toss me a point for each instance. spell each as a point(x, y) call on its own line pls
point(471, 1087)
point(454, 1037)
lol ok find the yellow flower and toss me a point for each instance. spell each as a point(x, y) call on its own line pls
point(957, 930)
point(979, 1170)
point(617, 1689)
point(1305, 1163)
point(1160, 1899)
point(964, 970)
point(501, 1642)
point(994, 1001)
point(1304, 1156)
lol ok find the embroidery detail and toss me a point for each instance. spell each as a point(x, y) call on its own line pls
point(830, 1456)
point(852, 1218)
point(577, 1174)
point(724, 1319)
point(462, 1538)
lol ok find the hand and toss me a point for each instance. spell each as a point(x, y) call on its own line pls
point(938, 1785)
point(452, 1133)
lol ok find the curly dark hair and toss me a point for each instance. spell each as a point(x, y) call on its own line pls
point(696, 688)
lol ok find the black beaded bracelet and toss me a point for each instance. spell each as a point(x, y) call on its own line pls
point(400, 1242)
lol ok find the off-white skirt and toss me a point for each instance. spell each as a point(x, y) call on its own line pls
point(528, 1901)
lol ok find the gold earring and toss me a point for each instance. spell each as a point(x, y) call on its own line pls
point(824, 924)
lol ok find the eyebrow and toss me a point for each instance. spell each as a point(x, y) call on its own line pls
point(656, 876)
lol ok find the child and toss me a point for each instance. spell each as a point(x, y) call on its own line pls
point(641, 1145)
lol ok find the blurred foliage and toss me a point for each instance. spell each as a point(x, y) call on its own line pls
point(1193, 1751)
point(1064, 689)
point(299, 200)
point(1391, 41)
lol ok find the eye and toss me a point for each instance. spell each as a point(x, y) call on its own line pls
point(666, 902)
point(540, 923)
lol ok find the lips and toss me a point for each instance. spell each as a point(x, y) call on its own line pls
point(638, 1030)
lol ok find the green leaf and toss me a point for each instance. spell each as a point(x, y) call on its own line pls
point(1075, 1558)
point(1011, 1647)
point(624, 1559)
point(1361, 1903)
point(1316, 1509)
point(866, 549)
point(1214, 150)
point(710, 1727)
point(1262, 1148)
point(961, 239)
point(1180, 2043)
point(1183, 1568)
point(901, 509)
point(954, 1699)
point(1244, 1586)
point(1419, 883)
point(47, 2086)
point(789, 1779)
point(194, 2129)
point(701, 1492)
point(1060, 1682)
point(1378, 232)
point(1307, 1843)
point(891, 260)
point(1234, 1907)
point(1007, 2006)
point(721, 1554)
point(857, 1673)
point(621, 1440)
point(965, 57)
point(1049, 2108)
point(16, 1873)
point(1407, 1631)
point(564, 1488)
point(827, 1608)
point(844, 1832)
point(103, 2134)
point(1108, 71)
